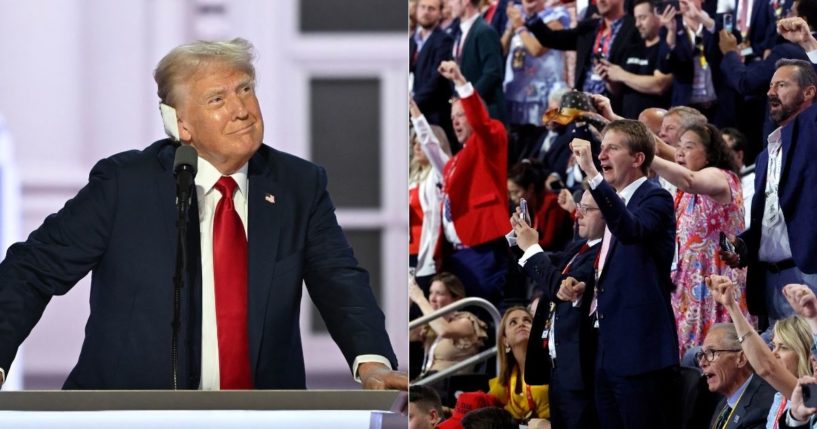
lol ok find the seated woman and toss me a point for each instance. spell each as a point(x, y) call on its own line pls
point(708, 201)
point(785, 363)
point(524, 402)
point(449, 339)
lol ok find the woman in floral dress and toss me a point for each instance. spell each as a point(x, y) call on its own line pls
point(708, 201)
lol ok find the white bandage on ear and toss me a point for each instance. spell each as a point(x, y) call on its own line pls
point(170, 121)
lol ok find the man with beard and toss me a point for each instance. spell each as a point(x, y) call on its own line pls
point(428, 47)
point(780, 244)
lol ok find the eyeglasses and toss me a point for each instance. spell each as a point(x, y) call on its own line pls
point(711, 354)
point(584, 208)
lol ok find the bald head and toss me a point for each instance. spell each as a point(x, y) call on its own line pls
point(652, 118)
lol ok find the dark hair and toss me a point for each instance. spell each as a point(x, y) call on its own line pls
point(452, 283)
point(526, 173)
point(425, 397)
point(738, 137)
point(805, 72)
point(637, 138)
point(717, 152)
point(649, 2)
point(807, 9)
point(488, 418)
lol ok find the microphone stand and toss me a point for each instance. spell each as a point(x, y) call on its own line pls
point(182, 204)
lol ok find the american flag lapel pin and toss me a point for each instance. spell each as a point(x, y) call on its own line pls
point(270, 198)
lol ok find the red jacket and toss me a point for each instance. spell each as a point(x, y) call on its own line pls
point(476, 177)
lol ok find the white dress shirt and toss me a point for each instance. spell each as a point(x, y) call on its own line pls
point(774, 235)
point(208, 198)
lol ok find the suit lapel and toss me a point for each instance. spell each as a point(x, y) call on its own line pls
point(787, 137)
point(263, 232)
point(165, 186)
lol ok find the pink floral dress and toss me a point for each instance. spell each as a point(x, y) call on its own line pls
point(700, 219)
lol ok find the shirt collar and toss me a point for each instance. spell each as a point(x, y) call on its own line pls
point(732, 400)
point(591, 243)
point(775, 140)
point(465, 24)
point(208, 175)
point(630, 189)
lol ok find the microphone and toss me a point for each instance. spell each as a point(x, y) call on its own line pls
point(185, 165)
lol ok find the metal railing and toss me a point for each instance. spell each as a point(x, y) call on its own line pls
point(477, 358)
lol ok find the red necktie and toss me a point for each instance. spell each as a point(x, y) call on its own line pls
point(230, 275)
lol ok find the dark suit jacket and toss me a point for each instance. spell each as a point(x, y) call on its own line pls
point(575, 339)
point(797, 199)
point(636, 323)
point(752, 409)
point(680, 62)
point(483, 66)
point(121, 226)
point(581, 39)
point(431, 90)
point(754, 78)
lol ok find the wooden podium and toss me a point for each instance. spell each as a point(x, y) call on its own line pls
point(219, 409)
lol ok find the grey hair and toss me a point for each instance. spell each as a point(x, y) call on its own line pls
point(185, 60)
point(806, 75)
point(730, 335)
point(689, 116)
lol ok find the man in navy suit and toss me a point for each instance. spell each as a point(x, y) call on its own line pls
point(781, 241)
point(561, 331)
point(276, 214)
point(428, 47)
point(637, 345)
point(478, 52)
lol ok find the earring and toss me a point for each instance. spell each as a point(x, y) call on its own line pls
point(507, 349)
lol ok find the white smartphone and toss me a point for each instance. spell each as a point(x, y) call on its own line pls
point(523, 206)
point(728, 22)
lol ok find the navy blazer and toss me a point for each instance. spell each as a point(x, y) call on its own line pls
point(483, 66)
point(581, 39)
point(575, 339)
point(121, 226)
point(431, 91)
point(797, 200)
point(636, 323)
point(752, 409)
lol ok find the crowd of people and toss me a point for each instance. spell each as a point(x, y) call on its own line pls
point(628, 182)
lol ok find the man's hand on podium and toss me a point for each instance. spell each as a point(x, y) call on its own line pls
point(376, 376)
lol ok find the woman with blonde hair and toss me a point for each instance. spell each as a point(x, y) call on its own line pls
point(430, 152)
point(523, 401)
point(789, 358)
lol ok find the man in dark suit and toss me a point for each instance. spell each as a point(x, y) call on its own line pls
point(428, 47)
point(475, 216)
point(561, 331)
point(593, 39)
point(240, 303)
point(637, 346)
point(781, 241)
point(479, 54)
point(746, 396)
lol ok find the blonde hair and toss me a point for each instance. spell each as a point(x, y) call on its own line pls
point(184, 61)
point(795, 333)
point(417, 171)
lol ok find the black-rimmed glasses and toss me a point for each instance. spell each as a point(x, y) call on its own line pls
point(711, 354)
point(584, 208)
